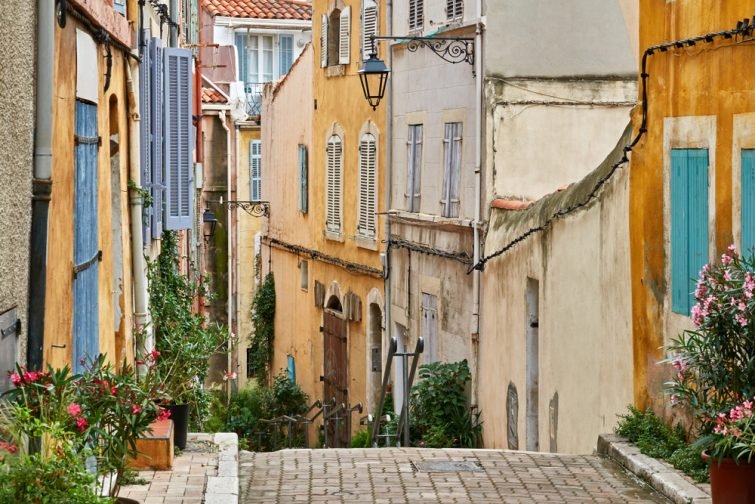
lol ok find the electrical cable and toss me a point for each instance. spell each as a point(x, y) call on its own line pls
point(316, 255)
point(708, 38)
point(461, 257)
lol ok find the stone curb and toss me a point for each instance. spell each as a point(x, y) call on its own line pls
point(661, 476)
point(223, 488)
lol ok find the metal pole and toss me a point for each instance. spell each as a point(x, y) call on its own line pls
point(405, 407)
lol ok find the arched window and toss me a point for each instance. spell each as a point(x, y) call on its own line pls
point(367, 186)
point(334, 163)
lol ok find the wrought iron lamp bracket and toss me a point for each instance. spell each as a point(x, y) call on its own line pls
point(451, 49)
point(253, 208)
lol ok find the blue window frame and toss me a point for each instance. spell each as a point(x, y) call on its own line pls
point(689, 224)
point(285, 53)
point(748, 200)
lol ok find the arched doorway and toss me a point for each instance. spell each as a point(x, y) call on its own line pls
point(335, 379)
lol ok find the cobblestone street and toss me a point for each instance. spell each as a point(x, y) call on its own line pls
point(388, 476)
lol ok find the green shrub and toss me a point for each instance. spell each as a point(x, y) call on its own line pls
point(440, 412)
point(362, 439)
point(655, 439)
point(263, 320)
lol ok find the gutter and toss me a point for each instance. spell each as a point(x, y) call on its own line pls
point(388, 157)
point(475, 330)
point(284, 24)
point(41, 183)
point(229, 216)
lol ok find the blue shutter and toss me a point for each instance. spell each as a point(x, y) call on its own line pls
point(145, 134)
point(748, 200)
point(255, 170)
point(303, 179)
point(156, 153)
point(85, 247)
point(689, 224)
point(177, 136)
point(291, 369)
point(241, 49)
point(285, 53)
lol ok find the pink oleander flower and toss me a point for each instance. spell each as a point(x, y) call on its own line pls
point(164, 414)
point(81, 423)
point(742, 320)
point(9, 447)
point(229, 376)
point(727, 275)
point(136, 409)
point(74, 409)
point(736, 414)
point(15, 378)
point(726, 259)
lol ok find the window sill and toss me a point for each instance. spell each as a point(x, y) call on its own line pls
point(421, 218)
point(335, 71)
point(333, 235)
point(366, 242)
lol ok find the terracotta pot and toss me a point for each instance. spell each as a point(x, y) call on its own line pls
point(731, 483)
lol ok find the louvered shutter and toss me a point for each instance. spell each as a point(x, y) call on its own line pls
point(145, 135)
point(324, 41)
point(156, 154)
point(416, 14)
point(344, 37)
point(177, 138)
point(255, 170)
point(689, 224)
point(413, 164)
point(333, 192)
point(748, 200)
point(451, 169)
point(303, 179)
point(454, 9)
point(367, 183)
point(369, 26)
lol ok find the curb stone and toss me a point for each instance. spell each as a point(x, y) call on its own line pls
point(224, 488)
point(658, 474)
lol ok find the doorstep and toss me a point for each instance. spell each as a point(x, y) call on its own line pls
point(663, 477)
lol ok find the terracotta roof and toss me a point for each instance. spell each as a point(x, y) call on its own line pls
point(260, 9)
point(506, 204)
point(210, 95)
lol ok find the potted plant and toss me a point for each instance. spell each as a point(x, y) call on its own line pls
point(184, 340)
point(714, 377)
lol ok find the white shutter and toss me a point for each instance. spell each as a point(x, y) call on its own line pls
point(414, 166)
point(454, 9)
point(178, 135)
point(455, 170)
point(416, 14)
point(333, 191)
point(369, 26)
point(367, 186)
point(430, 327)
point(344, 37)
point(255, 170)
point(324, 41)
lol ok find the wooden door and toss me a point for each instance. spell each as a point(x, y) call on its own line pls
point(336, 377)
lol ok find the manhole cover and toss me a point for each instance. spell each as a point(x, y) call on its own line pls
point(448, 466)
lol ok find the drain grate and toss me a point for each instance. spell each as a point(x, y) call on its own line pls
point(432, 466)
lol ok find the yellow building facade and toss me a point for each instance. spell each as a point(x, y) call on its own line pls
point(700, 105)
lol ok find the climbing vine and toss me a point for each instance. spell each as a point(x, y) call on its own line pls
point(263, 321)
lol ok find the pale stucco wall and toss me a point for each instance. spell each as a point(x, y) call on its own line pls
point(17, 38)
point(585, 332)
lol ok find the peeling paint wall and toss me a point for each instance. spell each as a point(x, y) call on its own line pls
point(17, 58)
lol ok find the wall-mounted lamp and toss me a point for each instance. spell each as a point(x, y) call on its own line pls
point(209, 223)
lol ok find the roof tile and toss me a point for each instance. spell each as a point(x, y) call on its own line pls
point(210, 95)
point(260, 9)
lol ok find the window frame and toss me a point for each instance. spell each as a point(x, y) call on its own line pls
point(303, 179)
point(258, 178)
point(453, 142)
point(414, 153)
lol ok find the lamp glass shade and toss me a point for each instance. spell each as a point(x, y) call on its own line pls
point(209, 221)
point(374, 77)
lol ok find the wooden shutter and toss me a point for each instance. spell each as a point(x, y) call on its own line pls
point(156, 121)
point(303, 179)
point(748, 200)
point(430, 327)
point(416, 14)
point(333, 207)
point(255, 170)
point(369, 26)
point(178, 148)
point(344, 37)
point(689, 224)
point(451, 169)
point(414, 166)
point(86, 255)
point(324, 40)
point(367, 186)
point(454, 9)
point(145, 135)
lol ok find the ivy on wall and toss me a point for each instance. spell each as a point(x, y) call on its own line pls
point(263, 321)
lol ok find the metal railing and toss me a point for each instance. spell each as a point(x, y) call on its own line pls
point(253, 91)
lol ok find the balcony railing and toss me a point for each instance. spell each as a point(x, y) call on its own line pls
point(253, 98)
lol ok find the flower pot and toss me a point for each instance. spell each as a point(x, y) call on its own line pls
point(126, 500)
point(731, 483)
point(179, 413)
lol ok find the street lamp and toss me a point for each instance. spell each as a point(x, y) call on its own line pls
point(209, 222)
point(374, 73)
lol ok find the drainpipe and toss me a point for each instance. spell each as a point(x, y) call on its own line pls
point(229, 303)
point(388, 155)
point(478, 203)
point(141, 294)
point(41, 183)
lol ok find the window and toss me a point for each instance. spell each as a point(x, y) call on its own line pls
point(451, 170)
point(689, 224)
point(369, 26)
point(367, 186)
point(304, 274)
point(120, 7)
point(414, 167)
point(285, 53)
point(416, 14)
point(430, 327)
point(255, 170)
point(291, 369)
point(748, 200)
point(303, 180)
point(333, 189)
point(454, 9)
point(157, 187)
point(335, 38)
point(256, 56)
point(178, 152)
